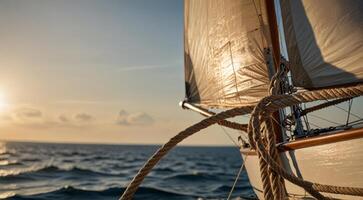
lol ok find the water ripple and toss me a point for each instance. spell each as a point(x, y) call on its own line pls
point(70, 171)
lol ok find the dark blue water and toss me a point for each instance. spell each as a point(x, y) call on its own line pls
point(74, 171)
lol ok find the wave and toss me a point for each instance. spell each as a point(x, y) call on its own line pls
point(71, 193)
point(8, 163)
point(51, 171)
point(224, 188)
point(101, 173)
point(164, 170)
point(7, 153)
point(74, 153)
point(193, 177)
point(31, 160)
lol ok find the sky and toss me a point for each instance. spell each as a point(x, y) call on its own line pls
point(91, 71)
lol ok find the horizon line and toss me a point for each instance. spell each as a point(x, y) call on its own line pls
point(124, 144)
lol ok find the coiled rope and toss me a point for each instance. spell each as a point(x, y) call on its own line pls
point(262, 112)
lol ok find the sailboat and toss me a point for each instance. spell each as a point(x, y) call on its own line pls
point(234, 66)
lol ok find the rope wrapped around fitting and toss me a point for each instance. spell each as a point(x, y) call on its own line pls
point(271, 104)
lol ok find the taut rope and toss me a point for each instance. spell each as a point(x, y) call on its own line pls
point(261, 112)
point(161, 152)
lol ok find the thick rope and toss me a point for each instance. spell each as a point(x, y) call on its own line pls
point(271, 104)
point(267, 105)
point(234, 125)
point(263, 155)
point(276, 181)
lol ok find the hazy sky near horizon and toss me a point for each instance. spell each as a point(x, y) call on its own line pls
point(93, 71)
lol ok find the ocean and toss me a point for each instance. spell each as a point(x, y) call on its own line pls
point(81, 171)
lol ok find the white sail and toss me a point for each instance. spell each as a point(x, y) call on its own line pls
point(225, 62)
point(324, 41)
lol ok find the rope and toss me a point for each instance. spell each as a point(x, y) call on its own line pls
point(275, 181)
point(161, 152)
point(323, 105)
point(350, 107)
point(271, 104)
point(233, 125)
point(263, 109)
point(237, 177)
point(351, 113)
point(230, 137)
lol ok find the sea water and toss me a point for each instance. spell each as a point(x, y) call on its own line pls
point(79, 171)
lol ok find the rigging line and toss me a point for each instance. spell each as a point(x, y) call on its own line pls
point(306, 119)
point(244, 137)
point(315, 125)
point(355, 115)
point(237, 177)
point(325, 119)
point(350, 102)
point(287, 126)
point(356, 121)
point(275, 120)
point(284, 129)
point(229, 136)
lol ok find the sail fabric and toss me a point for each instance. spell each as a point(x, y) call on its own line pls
point(324, 41)
point(225, 62)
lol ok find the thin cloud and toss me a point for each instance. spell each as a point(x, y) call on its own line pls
point(64, 119)
point(150, 67)
point(28, 117)
point(140, 119)
point(123, 113)
point(6, 117)
point(134, 119)
point(83, 117)
point(25, 113)
point(34, 118)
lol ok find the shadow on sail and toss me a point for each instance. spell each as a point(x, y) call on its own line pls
point(317, 52)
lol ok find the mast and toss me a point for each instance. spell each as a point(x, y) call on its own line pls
point(272, 21)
